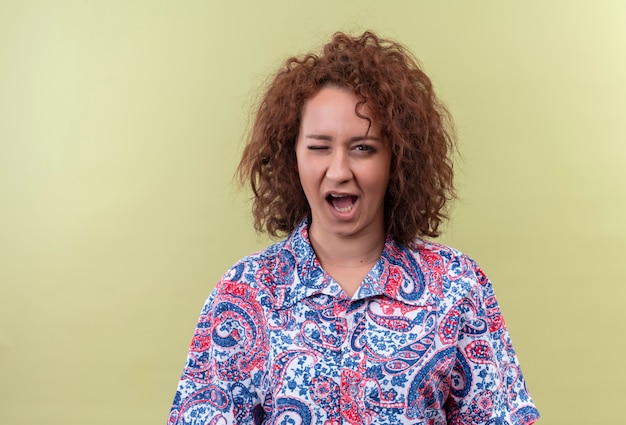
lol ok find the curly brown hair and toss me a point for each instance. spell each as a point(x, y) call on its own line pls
point(399, 97)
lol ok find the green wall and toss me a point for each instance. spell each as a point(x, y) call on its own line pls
point(120, 127)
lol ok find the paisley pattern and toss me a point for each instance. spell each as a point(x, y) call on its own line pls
point(422, 341)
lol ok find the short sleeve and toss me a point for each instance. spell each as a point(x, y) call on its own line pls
point(225, 361)
point(487, 383)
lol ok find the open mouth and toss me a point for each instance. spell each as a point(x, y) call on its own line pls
point(342, 203)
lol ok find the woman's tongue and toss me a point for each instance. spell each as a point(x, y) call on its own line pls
point(342, 204)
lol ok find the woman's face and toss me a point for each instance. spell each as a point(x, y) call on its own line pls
point(343, 164)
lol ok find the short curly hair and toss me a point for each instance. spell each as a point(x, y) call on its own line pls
point(400, 99)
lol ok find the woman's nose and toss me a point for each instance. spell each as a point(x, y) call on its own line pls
point(339, 167)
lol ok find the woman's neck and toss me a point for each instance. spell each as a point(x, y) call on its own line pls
point(349, 252)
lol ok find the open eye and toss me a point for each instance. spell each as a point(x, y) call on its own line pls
point(364, 148)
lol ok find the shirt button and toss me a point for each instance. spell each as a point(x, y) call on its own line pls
point(353, 390)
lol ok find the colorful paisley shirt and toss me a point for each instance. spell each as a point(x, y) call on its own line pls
point(422, 341)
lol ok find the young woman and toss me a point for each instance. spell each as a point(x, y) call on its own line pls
point(354, 318)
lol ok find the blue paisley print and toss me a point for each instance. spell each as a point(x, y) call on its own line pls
point(422, 341)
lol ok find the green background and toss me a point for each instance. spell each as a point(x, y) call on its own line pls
point(121, 123)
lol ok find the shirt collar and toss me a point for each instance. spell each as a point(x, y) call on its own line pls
point(397, 274)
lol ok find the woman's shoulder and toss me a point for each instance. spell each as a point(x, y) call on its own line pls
point(445, 267)
point(260, 270)
point(438, 253)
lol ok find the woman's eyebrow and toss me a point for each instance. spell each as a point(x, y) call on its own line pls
point(318, 137)
point(351, 139)
point(366, 137)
